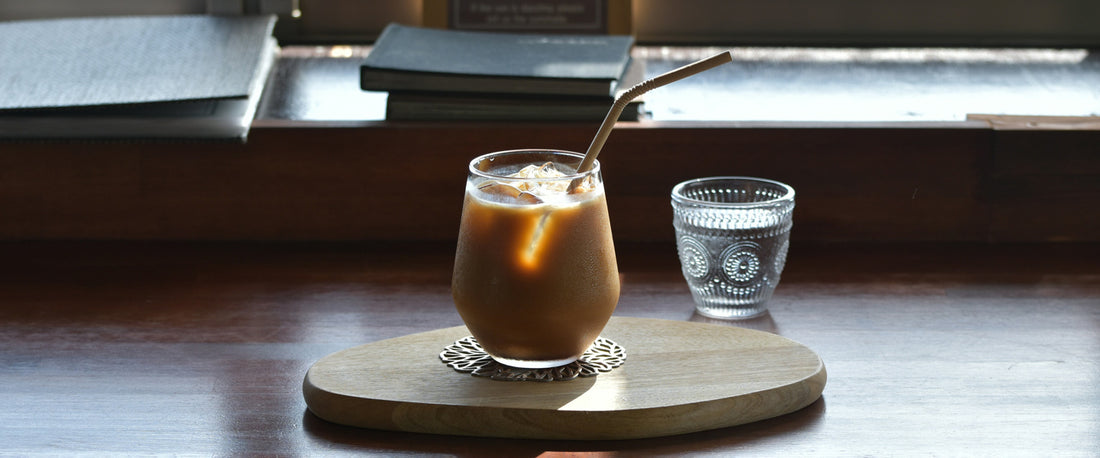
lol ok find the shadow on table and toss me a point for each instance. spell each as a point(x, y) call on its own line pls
point(366, 440)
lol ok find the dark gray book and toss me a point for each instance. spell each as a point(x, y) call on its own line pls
point(420, 106)
point(444, 106)
point(133, 77)
point(433, 60)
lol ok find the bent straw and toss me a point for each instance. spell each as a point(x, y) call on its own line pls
point(641, 88)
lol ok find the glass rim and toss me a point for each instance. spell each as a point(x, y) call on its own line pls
point(517, 152)
point(679, 197)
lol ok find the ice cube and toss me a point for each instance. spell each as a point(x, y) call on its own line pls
point(508, 193)
point(533, 172)
point(585, 185)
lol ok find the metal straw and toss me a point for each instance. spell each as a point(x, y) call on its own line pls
point(630, 94)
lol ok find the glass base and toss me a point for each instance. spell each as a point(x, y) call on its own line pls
point(528, 364)
point(731, 313)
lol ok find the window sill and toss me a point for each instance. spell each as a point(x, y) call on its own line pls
point(317, 167)
point(773, 87)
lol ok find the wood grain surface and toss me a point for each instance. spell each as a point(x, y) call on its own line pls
point(680, 377)
point(201, 349)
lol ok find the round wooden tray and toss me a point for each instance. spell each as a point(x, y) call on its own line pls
point(679, 377)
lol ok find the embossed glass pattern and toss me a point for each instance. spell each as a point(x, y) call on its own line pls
point(732, 236)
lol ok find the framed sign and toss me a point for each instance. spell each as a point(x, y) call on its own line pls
point(543, 16)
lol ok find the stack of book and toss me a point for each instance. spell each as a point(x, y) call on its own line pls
point(133, 77)
point(434, 74)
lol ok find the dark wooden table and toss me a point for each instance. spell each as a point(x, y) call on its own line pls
point(138, 348)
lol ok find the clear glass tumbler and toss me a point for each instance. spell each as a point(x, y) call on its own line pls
point(732, 236)
point(535, 277)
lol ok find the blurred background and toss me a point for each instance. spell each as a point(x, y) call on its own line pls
point(1054, 23)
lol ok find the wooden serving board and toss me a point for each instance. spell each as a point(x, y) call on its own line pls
point(679, 377)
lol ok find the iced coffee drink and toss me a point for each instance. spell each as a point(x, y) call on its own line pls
point(535, 277)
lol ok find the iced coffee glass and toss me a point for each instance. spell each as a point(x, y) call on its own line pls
point(535, 277)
